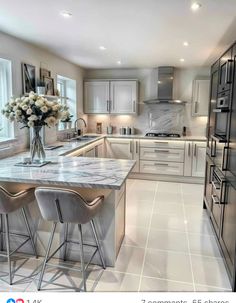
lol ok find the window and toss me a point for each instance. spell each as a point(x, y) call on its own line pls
point(6, 127)
point(67, 92)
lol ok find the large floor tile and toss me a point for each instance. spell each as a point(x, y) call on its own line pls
point(199, 226)
point(195, 213)
point(203, 245)
point(167, 265)
point(192, 188)
point(135, 236)
point(152, 284)
point(61, 282)
point(20, 283)
point(130, 260)
point(195, 199)
point(206, 288)
point(168, 222)
point(168, 197)
point(210, 271)
point(168, 240)
point(170, 209)
point(169, 187)
point(138, 214)
point(114, 281)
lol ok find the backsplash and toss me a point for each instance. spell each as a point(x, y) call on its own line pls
point(158, 117)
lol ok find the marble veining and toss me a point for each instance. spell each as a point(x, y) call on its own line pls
point(69, 171)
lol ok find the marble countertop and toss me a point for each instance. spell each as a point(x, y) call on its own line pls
point(68, 171)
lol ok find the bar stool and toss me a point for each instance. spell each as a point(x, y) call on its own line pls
point(67, 206)
point(8, 204)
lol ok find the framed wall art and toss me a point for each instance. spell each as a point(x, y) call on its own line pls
point(28, 78)
point(44, 73)
point(49, 85)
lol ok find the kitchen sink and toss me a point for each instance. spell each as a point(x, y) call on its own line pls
point(84, 138)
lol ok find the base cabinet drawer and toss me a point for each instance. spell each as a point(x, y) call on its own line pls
point(172, 155)
point(162, 168)
point(162, 143)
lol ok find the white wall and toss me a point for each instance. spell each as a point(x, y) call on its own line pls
point(148, 89)
point(19, 51)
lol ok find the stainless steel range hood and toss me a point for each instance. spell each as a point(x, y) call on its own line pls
point(165, 87)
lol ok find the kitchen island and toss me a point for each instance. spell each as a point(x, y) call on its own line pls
point(90, 177)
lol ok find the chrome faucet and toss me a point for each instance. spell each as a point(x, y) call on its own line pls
point(76, 127)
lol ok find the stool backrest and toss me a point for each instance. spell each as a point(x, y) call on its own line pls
point(5, 201)
point(63, 205)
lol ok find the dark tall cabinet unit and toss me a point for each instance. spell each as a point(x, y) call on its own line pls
point(220, 179)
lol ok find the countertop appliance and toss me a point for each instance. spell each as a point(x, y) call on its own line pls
point(164, 86)
point(163, 135)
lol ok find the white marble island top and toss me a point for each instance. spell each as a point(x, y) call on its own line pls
point(69, 171)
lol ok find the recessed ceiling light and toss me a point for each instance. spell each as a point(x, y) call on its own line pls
point(185, 43)
point(119, 62)
point(66, 14)
point(181, 60)
point(195, 6)
point(102, 47)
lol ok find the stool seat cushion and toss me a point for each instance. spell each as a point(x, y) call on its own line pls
point(65, 205)
point(10, 202)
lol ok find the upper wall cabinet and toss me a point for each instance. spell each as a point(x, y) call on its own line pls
point(111, 96)
point(200, 97)
point(96, 97)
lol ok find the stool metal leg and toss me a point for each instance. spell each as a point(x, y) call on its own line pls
point(82, 256)
point(1, 233)
point(47, 254)
point(29, 231)
point(8, 247)
point(65, 239)
point(98, 244)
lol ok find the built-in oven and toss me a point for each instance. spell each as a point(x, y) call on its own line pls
point(218, 152)
point(222, 115)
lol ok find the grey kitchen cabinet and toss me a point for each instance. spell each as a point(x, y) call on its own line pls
point(123, 149)
point(96, 97)
point(200, 97)
point(110, 96)
point(194, 161)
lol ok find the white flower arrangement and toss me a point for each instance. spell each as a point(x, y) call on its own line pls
point(35, 110)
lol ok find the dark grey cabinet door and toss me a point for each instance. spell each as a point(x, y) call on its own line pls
point(228, 231)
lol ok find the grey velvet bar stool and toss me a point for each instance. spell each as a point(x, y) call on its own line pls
point(68, 206)
point(10, 203)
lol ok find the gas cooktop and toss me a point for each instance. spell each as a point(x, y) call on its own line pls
point(153, 134)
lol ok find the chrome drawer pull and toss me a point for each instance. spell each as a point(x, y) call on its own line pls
point(161, 164)
point(161, 151)
point(161, 142)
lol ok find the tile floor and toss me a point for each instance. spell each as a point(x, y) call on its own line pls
point(169, 246)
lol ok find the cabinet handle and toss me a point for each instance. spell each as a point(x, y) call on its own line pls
point(224, 159)
point(162, 142)
point(134, 106)
point(161, 164)
point(195, 150)
point(211, 173)
point(136, 143)
point(107, 105)
point(215, 199)
point(228, 71)
point(189, 145)
point(195, 107)
point(213, 150)
point(161, 151)
point(130, 146)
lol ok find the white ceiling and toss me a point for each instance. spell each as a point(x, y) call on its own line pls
point(140, 33)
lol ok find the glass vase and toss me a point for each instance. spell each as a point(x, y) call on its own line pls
point(37, 152)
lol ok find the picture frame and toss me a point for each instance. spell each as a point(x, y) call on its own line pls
point(28, 78)
point(49, 85)
point(44, 73)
